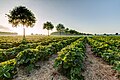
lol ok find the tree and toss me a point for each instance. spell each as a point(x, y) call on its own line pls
point(116, 33)
point(48, 26)
point(72, 31)
point(21, 16)
point(104, 34)
point(60, 28)
point(66, 30)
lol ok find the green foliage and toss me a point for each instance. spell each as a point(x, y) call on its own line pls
point(60, 28)
point(12, 52)
point(6, 54)
point(70, 60)
point(28, 57)
point(21, 15)
point(107, 48)
point(8, 45)
point(117, 67)
point(7, 69)
point(48, 26)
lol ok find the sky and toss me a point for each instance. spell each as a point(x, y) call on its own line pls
point(87, 16)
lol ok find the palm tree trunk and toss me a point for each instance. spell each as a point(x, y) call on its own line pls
point(48, 32)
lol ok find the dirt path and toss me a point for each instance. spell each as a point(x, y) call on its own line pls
point(45, 72)
point(96, 68)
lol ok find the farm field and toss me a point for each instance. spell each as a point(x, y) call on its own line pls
point(59, 40)
point(60, 58)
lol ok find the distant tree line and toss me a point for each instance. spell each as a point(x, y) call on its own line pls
point(61, 28)
point(105, 34)
point(7, 33)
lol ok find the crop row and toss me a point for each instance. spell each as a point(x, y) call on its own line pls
point(70, 60)
point(112, 41)
point(6, 54)
point(8, 44)
point(30, 57)
point(18, 39)
point(109, 53)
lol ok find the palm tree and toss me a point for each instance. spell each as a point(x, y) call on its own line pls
point(48, 26)
point(21, 16)
point(60, 28)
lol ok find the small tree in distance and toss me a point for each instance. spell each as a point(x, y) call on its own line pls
point(21, 16)
point(48, 26)
point(66, 30)
point(60, 28)
point(116, 33)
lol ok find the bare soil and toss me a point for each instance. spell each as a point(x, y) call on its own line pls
point(45, 72)
point(96, 68)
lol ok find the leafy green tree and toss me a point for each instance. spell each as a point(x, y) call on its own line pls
point(60, 28)
point(116, 33)
point(72, 31)
point(66, 30)
point(48, 26)
point(21, 16)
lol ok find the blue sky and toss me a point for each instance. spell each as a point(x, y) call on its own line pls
point(90, 16)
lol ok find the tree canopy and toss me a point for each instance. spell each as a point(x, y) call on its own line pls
point(60, 28)
point(48, 26)
point(21, 16)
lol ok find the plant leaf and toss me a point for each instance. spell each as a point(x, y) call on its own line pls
point(7, 74)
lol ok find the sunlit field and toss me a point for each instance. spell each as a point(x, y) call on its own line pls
point(71, 53)
point(59, 40)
